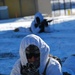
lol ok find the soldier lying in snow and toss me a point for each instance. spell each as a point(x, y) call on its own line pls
point(39, 24)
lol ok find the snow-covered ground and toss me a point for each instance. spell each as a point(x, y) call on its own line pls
point(61, 40)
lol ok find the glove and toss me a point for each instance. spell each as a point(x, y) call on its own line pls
point(29, 70)
point(45, 23)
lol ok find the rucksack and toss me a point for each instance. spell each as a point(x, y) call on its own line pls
point(51, 56)
point(59, 60)
point(56, 58)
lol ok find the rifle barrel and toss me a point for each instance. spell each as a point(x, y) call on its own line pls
point(50, 20)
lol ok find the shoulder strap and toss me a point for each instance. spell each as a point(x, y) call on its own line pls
point(44, 73)
point(21, 68)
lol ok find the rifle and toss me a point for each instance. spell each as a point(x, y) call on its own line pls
point(49, 20)
point(43, 23)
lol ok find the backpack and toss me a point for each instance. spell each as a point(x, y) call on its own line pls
point(51, 56)
point(59, 60)
point(56, 58)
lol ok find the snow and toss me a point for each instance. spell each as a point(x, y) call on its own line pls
point(61, 39)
